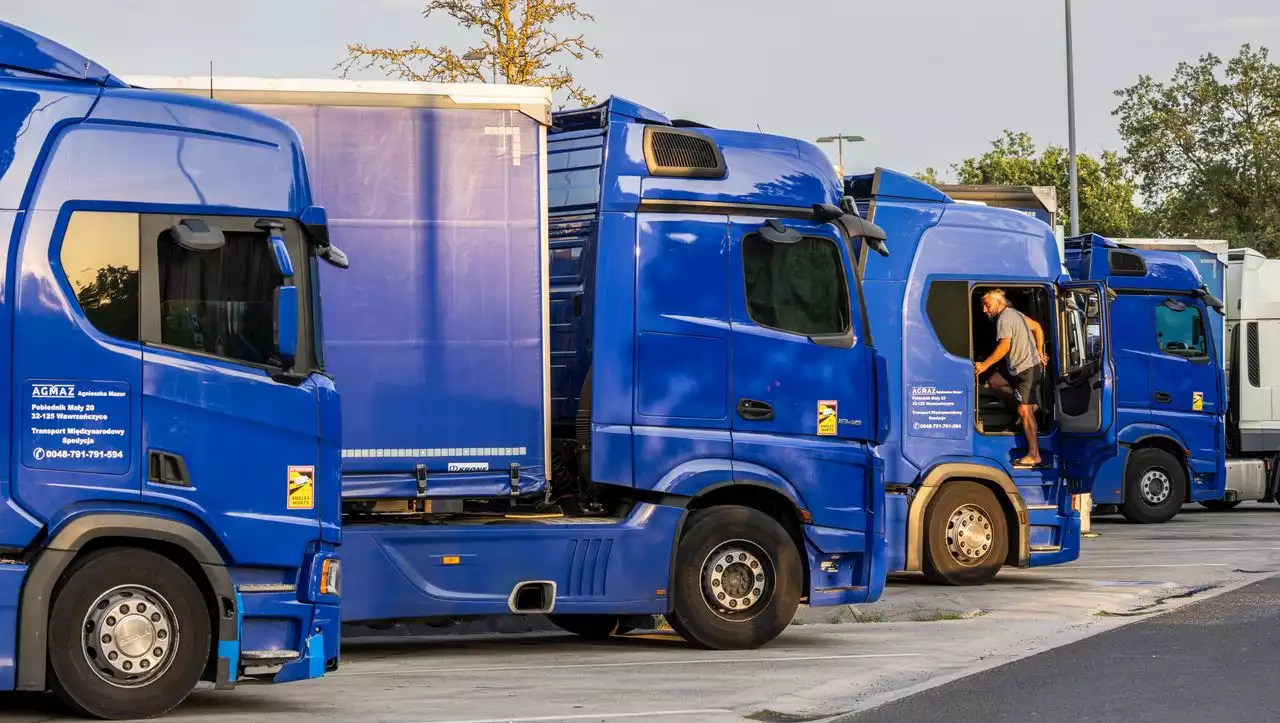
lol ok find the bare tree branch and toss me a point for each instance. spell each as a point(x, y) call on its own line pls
point(521, 46)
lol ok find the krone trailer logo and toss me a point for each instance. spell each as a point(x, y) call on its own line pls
point(53, 391)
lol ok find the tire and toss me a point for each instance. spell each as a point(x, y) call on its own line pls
point(966, 535)
point(1220, 505)
point(1155, 486)
point(591, 627)
point(161, 606)
point(756, 594)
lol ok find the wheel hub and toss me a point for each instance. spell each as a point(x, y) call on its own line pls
point(735, 577)
point(129, 634)
point(1155, 486)
point(969, 534)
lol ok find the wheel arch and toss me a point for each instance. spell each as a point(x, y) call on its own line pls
point(1165, 441)
point(86, 533)
point(1000, 484)
point(779, 503)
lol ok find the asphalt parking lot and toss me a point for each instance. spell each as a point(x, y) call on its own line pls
point(831, 662)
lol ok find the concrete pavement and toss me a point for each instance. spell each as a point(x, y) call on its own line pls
point(815, 670)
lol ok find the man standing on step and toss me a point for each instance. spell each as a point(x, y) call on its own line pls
point(1020, 353)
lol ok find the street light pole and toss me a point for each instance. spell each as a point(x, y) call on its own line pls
point(1071, 131)
point(839, 141)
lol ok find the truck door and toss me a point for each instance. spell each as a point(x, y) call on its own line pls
point(230, 430)
point(77, 374)
point(1085, 388)
point(1185, 378)
point(802, 400)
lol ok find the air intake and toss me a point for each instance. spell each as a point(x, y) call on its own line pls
point(678, 153)
point(1255, 366)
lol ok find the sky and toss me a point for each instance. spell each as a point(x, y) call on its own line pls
point(926, 82)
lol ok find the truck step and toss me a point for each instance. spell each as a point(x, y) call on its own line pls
point(268, 657)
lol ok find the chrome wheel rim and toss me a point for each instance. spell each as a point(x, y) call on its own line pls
point(970, 534)
point(737, 580)
point(130, 636)
point(1156, 487)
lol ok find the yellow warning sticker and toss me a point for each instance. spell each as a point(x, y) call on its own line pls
point(302, 488)
point(827, 418)
point(1197, 401)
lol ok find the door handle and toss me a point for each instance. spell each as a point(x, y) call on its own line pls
point(167, 468)
point(1163, 398)
point(754, 411)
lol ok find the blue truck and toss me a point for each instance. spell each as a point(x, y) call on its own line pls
point(959, 508)
point(598, 367)
point(1196, 401)
point(170, 498)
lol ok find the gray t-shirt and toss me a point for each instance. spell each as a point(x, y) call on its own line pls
point(1012, 325)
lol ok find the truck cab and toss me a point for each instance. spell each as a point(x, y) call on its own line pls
point(169, 510)
point(711, 349)
point(959, 507)
point(1181, 400)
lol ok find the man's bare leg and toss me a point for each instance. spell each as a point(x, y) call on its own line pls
point(1028, 414)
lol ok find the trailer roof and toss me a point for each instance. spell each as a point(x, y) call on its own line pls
point(530, 100)
point(1213, 246)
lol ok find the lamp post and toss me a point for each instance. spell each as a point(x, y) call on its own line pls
point(1071, 131)
point(840, 141)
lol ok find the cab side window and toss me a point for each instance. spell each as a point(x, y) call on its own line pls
point(100, 257)
point(1180, 330)
point(219, 302)
point(796, 287)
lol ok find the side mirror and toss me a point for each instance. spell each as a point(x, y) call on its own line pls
point(193, 234)
point(858, 227)
point(1213, 302)
point(286, 323)
point(335, 256)
point(315, 221)
point(851, 224)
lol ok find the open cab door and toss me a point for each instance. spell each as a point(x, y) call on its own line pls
point(1085, 384)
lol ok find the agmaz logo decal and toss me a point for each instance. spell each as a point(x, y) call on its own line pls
point(53, 391)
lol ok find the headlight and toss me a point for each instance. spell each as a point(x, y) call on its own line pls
point(331, 577)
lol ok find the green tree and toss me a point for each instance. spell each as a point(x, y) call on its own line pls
point(1205, 148)
point(521, 45)
point(1106, 189)
point(929, 176)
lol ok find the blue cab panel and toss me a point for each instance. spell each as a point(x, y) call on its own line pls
point(437, 334)
point(1168, 346)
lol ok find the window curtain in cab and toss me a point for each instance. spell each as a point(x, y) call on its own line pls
point(220, 302)
point(797, 287)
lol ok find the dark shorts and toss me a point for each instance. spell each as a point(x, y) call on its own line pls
point(1026, 385)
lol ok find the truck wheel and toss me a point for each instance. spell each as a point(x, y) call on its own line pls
point(128, 635)
point(1154, 487)
point(1220, 505)
point(591, 627)
point(967, 538)
point(738, 579)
